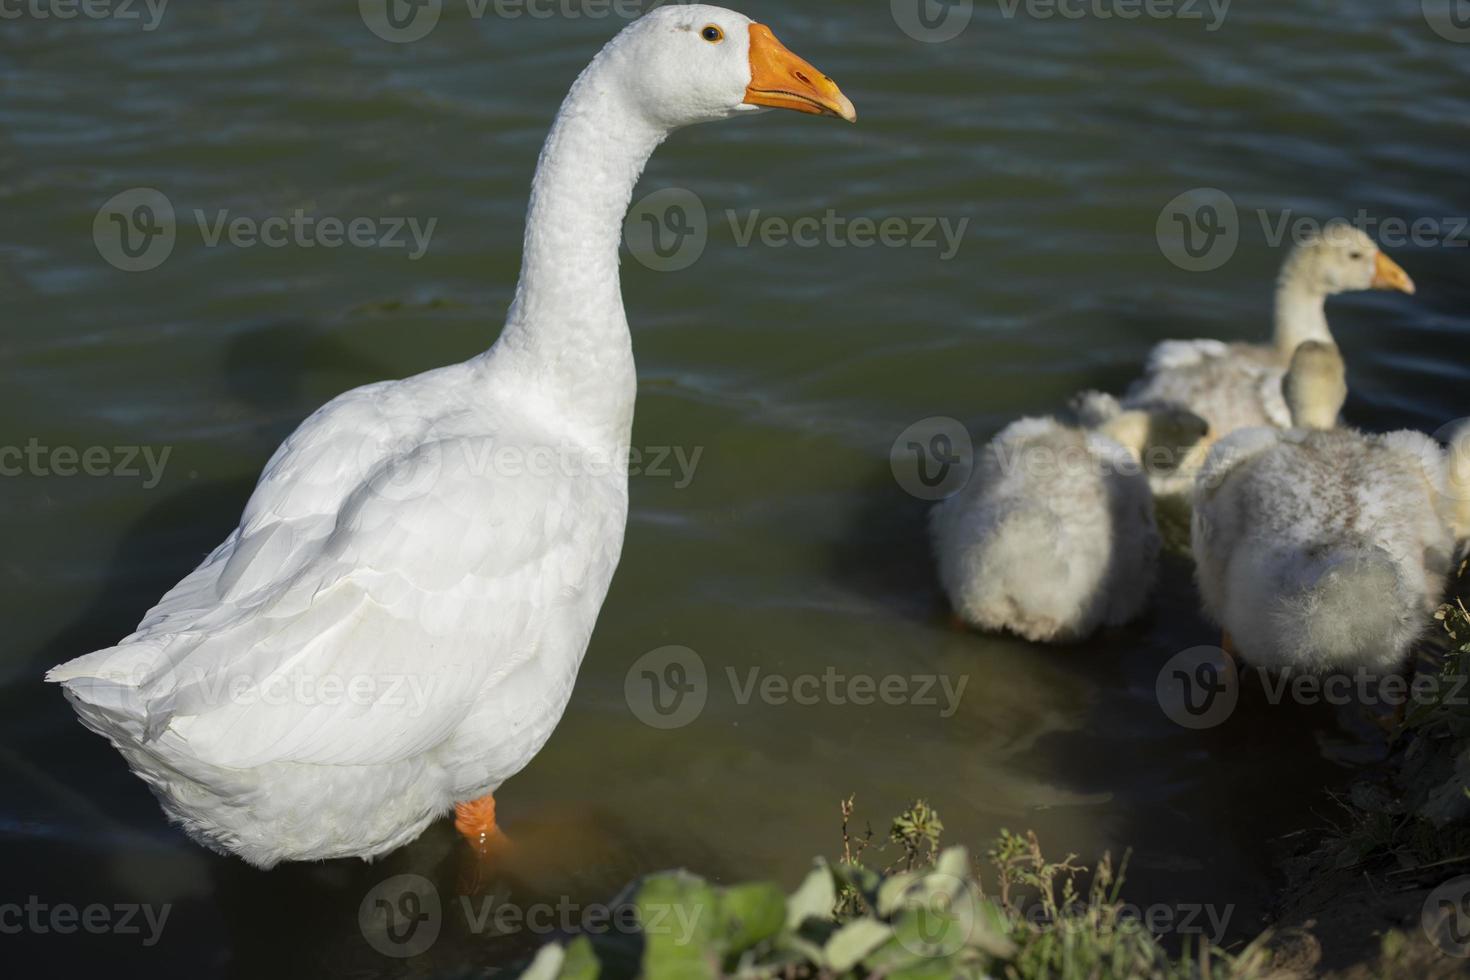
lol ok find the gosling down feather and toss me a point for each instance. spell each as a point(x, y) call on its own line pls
point(1054, 535)
point(1322, 548)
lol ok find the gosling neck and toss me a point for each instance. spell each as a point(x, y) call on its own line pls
point(1301, 309)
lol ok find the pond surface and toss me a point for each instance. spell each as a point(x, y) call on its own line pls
point(778, 547)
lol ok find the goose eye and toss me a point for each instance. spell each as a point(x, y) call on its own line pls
point(1356, 256)
point(712, 34)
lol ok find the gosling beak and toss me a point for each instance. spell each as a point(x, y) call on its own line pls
point(781, 80)
point(1390, 275)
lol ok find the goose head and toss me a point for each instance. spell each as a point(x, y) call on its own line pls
point(691, 63)
point(1341, 258)
point(1315, 386)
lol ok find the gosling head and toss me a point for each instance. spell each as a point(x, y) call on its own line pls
point(1341, 258)
point(1155, 428)
point(693, 63)
point(1315, 386)
point(1458, 461)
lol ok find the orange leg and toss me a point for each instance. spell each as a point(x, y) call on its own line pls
point(476, 821)
point(1227, 643)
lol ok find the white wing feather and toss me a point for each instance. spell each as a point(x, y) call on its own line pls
point(367, 598)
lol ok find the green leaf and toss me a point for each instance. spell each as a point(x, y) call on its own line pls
point(852, 942)
point(547, 964)
point(892, 955)
point(677, 913)
point(955, 862)
point(750, 914)
point(893, 893)
point(808, 950)
point(580, 962)
point(814, 898)
point(944, 968)
point(932, 969)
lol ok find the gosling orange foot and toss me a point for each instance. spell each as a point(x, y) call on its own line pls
point(475, 821)
point(1227, 644)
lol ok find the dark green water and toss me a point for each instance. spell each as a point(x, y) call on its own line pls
point(790, 549)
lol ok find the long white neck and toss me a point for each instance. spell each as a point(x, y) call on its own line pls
point(1301, 309)
point(566, 333)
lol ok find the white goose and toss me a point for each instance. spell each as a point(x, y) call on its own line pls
point(396, 625)
point(1238, 386)
point(1321, 548)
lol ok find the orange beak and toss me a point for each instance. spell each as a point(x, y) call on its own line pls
point(1390, 275)
point(781, 80)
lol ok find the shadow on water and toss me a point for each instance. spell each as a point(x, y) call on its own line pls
point(886, 557)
